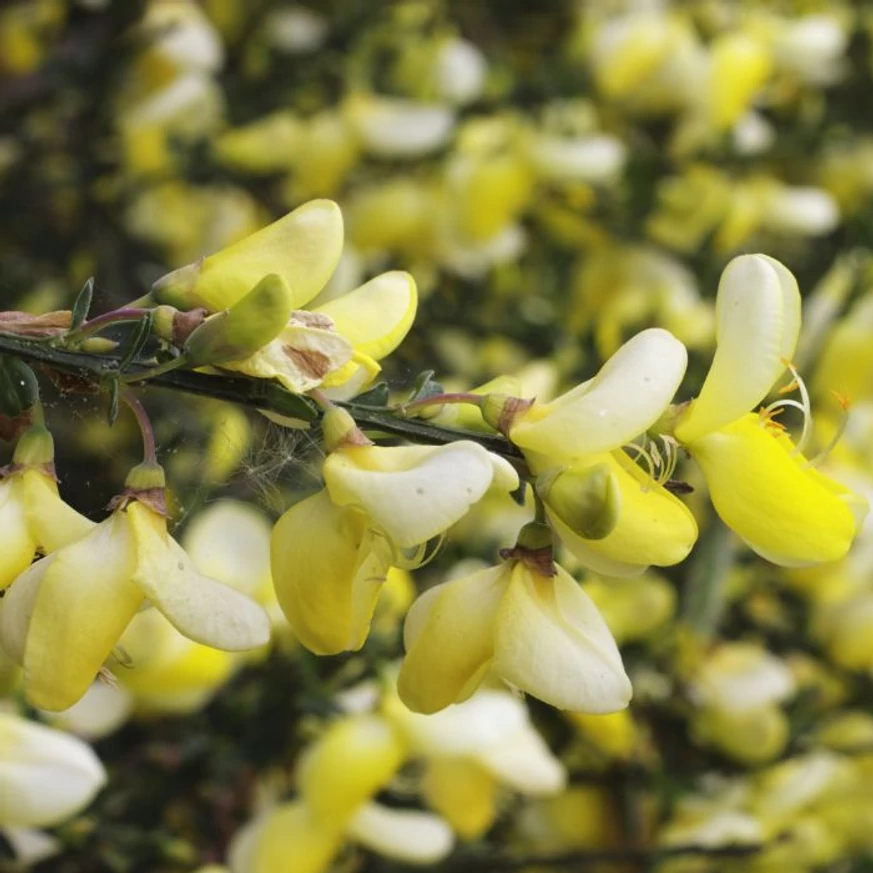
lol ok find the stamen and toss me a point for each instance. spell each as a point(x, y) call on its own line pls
point(643, 454)
point(844, 403)
point(768, 413)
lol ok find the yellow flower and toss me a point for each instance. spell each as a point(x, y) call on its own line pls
point(332, 551)
point(760, 483)
point(585, 429)
point(537, 632)
point(33, 518)
point(168, 672)
point(738, 689)
point(471, 750)
point(62, 617)
point(335, 345)
point(354, 759)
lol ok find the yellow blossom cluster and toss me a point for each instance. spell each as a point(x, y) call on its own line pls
point(515, 506)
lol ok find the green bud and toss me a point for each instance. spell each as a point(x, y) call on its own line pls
point(19, 390)
point(501, 410)
point(587, 500)
point(98, 345)
point(35, 448)
point(245, 327)
point(145, 477)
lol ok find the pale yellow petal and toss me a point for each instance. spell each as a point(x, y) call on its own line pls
point(52, 522)
point(654, 526)
point(551, 642)
point(230, 541)
point(449, 637)
point(377, 316)
point(85, 602)
point(627, 396)
point(17, 545)
point(200, 608)
point(328, 570)
point(353, 760)
point(301, 357)
point(303, 248)
point(412, 493)
point(758, 323)
point(785, 511)
point(288, 838)
point(16, 609)
point(463, 792)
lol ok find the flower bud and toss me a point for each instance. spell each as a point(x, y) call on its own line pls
point(245, 327)
point(98, 345)
point(35, 448)
point(587, 500)
point(174, 325)
point(146, 476)
point(500, 410)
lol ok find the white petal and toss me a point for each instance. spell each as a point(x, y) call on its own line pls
point(758, 323)
point(484, 721)
point(627, 396)
point(743, 676)
point(412, 493)
point(406, 835)
point(395, 128)
point(201, 608)
point(47, 776)
point(460, 71)
point(525, 763)
point(230, 541)
point(805, 211)
point(102, 710)
point(594, 158)
point(551, 642)
point(31, 846)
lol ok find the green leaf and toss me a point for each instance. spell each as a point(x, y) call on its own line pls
point(82, 305)
point(19, 390)
point(134, 344)
point(425, 386)
point(376, 396)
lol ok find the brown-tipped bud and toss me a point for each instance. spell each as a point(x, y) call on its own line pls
point(535, 547)
point(145, 483)
point(501, 410)
point(35, 448)
point(587, 500)
point(175, 326)
point(340, 431)
point(245, 327)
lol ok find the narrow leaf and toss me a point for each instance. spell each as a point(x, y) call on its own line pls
point(82, 306)
point(134, 344)
point(376, 396)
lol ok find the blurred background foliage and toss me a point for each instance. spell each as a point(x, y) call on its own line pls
point(557, 176)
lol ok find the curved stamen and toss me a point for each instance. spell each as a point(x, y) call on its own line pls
point(838, 434)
